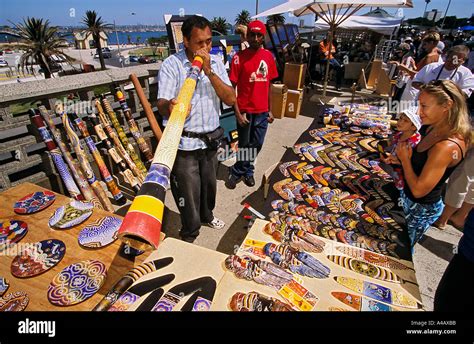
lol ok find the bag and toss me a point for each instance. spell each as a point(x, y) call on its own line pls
point(214, 138)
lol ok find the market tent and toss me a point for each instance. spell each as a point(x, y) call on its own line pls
point(385, 26)
point(333, 12)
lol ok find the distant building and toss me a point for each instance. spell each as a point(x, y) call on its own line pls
point(84, 40)
point(433, 15)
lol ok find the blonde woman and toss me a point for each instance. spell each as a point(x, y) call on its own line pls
point(443, 108)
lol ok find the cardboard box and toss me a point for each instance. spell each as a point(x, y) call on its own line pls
point(294, 100)
point(279, 95)
point(294, 75)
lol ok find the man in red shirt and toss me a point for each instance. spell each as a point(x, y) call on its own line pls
point(251, 73)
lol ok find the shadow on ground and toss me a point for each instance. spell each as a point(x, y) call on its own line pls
point(439, 248)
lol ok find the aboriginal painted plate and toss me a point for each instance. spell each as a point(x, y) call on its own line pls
point(3, 285)
point(38, 258)
point(77, 282)
point(11, 232)
point(34, 202)
point(100, 233)
point(14, 302)
point(71, 214)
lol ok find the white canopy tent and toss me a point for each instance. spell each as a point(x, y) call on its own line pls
point(333, 12)
point(384, 26)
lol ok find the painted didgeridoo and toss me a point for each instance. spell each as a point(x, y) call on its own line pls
point(123, 137)
point(102, 136)
point(86, 167)
point(146, 107)
point(113, 135)
point(126, 281)
point(132, 125)
point(104, 171)
point(141, 226)
point(56, 156)
point(81, 181)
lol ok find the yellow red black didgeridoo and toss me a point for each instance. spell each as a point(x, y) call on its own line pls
point(141, 226)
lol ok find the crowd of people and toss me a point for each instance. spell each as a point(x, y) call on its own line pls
point(431, 147)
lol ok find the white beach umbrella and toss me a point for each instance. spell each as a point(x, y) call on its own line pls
point(333, 12)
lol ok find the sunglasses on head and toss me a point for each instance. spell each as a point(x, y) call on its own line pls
point(439, 83)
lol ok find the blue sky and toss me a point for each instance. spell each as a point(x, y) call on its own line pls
point(70, 12)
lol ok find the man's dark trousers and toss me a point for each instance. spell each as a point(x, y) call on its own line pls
point(251, 137)
point(194, 186)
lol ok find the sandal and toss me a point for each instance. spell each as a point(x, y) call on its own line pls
point(436, 225)
point(216, 223)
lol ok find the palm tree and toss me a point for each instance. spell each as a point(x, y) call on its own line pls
point(40, 42)
point(219, 24)
point(129, 39)
point(276, 19)
point(139, 38)
point(243, 18)
point(95, 26)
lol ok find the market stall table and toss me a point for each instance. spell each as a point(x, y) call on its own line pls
point(38, 230)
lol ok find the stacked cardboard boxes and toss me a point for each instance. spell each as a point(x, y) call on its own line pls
point(293, 78)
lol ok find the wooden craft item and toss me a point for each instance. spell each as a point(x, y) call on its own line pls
point(38, 258)
point(100, 233)
point(4, 285)
point(11, 232)
point(141, 226)
point(74, 167)
point(71, 215)
point(126, 281)
point(134, 293)
point(14, 302)
point(378, 292)
point(284, 168)
point(34, 202)
point(367, 269)
point(76, 283)
point(256, 302)
point(360, 303)
point(373, 258)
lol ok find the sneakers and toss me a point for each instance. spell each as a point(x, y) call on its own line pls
point(216, 223)
point(249, 181)
point(231, 181)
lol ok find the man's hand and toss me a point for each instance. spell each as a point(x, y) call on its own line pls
point(206, 57)
point(173, 102)
point(242, 119)
point(270, 118)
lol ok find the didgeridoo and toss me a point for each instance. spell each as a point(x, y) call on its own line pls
point(141, 226)
point(146, 107)
point(126, 281)
point(56, 156)
point(132, 125)
point(74, 167)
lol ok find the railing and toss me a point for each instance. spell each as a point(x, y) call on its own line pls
point(23, 155)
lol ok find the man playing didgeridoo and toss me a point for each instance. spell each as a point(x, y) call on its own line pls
point(193, 178)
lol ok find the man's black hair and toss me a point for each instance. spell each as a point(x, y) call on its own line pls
point(192, 22)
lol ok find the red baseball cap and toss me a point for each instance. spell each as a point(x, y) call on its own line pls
point(258, 27)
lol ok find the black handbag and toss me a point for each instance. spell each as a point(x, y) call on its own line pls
point(214, 138)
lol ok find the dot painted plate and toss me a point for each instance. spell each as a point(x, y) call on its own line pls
point(77, 282)
point(11, 232)
point(71, 215)
point(14, 302)
point(38, 258)
point(34, 202)
point(3, 285)
point(100, 233)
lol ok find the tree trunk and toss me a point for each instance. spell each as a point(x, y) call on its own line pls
point(99, 51)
